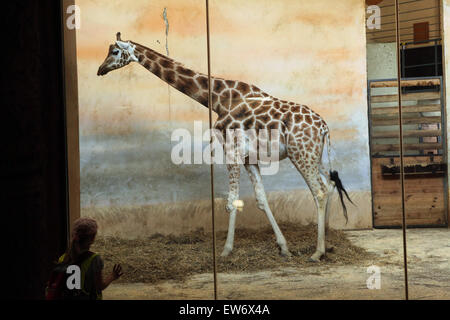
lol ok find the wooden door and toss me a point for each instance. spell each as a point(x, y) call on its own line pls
point(425, 161)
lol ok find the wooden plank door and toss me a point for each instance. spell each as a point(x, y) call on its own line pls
point(425, 161)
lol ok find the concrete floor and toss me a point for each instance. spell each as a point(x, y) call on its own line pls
point(428, 272)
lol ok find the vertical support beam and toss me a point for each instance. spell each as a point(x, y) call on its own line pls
point(445, 26)
point(208, 48)
point(71, 113)
point(402, 172)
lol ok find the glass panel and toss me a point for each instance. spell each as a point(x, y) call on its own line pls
point(425, 160)
point(315, 56)
point(154, 214)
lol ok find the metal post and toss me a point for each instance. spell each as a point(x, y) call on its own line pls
point(212, 165)
point(402, 172)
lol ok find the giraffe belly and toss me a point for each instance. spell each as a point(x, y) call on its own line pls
point(283, 152)
point(267, 153)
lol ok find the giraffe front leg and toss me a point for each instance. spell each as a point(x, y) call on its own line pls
point(234, 173)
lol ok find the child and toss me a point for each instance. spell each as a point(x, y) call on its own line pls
point(91, 264)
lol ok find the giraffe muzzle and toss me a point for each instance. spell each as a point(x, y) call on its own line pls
point(101, 71)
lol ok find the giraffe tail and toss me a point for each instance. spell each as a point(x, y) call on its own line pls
point(334, 176)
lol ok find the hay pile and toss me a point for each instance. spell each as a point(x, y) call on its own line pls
point(159, 258)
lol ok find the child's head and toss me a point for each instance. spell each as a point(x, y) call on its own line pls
point(83, 233)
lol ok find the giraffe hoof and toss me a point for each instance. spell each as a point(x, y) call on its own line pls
point(316, 257)
point(286, 253)
point(225, 253)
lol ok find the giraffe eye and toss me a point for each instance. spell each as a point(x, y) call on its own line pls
point(115, 52)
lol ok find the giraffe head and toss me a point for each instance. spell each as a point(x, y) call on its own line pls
point(119, 55)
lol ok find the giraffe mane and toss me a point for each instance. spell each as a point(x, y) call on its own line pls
point(156, 53)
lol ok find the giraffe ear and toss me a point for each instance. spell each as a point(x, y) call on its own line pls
point(118, 36)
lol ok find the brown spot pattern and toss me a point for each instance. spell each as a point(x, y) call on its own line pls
point(169, 76)
point(187, 85)
point(186, 72)
point(166, 63)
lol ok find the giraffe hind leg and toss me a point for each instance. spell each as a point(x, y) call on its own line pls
point(319, 188)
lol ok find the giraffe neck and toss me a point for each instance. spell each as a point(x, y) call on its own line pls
point(185, 80)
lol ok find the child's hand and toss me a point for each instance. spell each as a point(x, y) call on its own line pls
point(117, 271)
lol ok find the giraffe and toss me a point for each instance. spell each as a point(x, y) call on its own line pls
point(239, 105)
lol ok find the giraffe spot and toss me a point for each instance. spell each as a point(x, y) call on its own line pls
point(243, 88)
point(249, 123)
point(225, 98)
point(315, 117)
point(221, 111)
point(273, 125)
point(298, 118)
point(187, 85)
point(235, 125)
point(151, 55)
point(308, 119)
point(304, 126)
point(169, 76)
point(203, 99)
point(255, 104)
point(296, 109)
point(275, 113)
point(203, 81)
point(157, 70)
point(241, 112)
point(259, 125)
point(218, 85)
point(297, 131)
point(277, 104)
point(147, 65)
point(166, 63)
point(255, 89)
point(235, 96)
point(222, 124)
point(284, 108)
point(230, 83)
point(186, 72)
point(307, 132)
point(262, 109)
point(287, 119)
point(215, 98)
point(140, 57)
point(315, 131)
point(264, 118)
point(305, 110)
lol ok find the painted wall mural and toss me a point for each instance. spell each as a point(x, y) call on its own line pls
point(303, 52)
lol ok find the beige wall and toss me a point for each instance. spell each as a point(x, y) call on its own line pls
point(310, 52)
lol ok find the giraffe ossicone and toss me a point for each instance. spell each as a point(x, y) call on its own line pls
point(303, 133)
